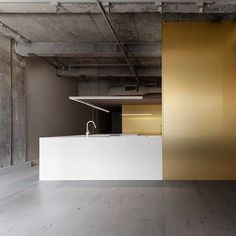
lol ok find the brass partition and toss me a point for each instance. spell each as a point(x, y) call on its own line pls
point(149, 124)
point(199, 101)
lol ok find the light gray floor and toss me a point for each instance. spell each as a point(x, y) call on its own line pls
point(30, 207)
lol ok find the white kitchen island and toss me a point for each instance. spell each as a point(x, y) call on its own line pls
point(101, 157)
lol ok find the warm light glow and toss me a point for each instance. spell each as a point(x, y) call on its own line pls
point(141, 119)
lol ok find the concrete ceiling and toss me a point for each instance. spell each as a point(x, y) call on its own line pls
point(85, 28)
point(90, 29)
point(74, 33)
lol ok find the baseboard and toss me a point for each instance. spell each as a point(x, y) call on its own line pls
point(9, 169)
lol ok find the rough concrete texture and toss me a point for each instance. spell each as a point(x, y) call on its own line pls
point(85, 28)
point(124, 6)
point(12, 108)
point(18, 115)
point(5, 103)
point(89, 28)
point(5, 120)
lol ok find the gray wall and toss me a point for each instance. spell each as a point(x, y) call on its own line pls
point(12, 106)
point(49, 111)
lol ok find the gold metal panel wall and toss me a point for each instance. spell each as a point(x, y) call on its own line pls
point(199, 100)
point(138, 124)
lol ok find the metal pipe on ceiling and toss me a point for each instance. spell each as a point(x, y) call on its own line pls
point(100, 6)
point(113, 1)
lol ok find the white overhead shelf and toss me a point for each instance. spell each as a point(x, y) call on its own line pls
point(106, 97)
point(82, 99)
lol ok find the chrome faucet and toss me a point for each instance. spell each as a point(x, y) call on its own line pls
point(87, 129)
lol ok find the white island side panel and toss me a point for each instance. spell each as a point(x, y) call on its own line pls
point(101, 158)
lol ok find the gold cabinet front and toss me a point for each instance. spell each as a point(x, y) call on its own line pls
point(199, 100)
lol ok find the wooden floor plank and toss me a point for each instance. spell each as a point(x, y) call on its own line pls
point(32, 208)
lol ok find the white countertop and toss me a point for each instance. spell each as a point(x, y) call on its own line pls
point(100, 136)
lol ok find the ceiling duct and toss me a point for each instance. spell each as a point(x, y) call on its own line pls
point(131, 90)
point(130, 87)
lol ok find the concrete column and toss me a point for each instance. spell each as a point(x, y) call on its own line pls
point(18, 114)
point(12, 107)
point(5, 102)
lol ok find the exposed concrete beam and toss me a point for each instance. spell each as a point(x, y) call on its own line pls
point(109, 72)
point(77, 66)
point(87, 50)
point(76, 8)
point(117, 6)
point(12, 34)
